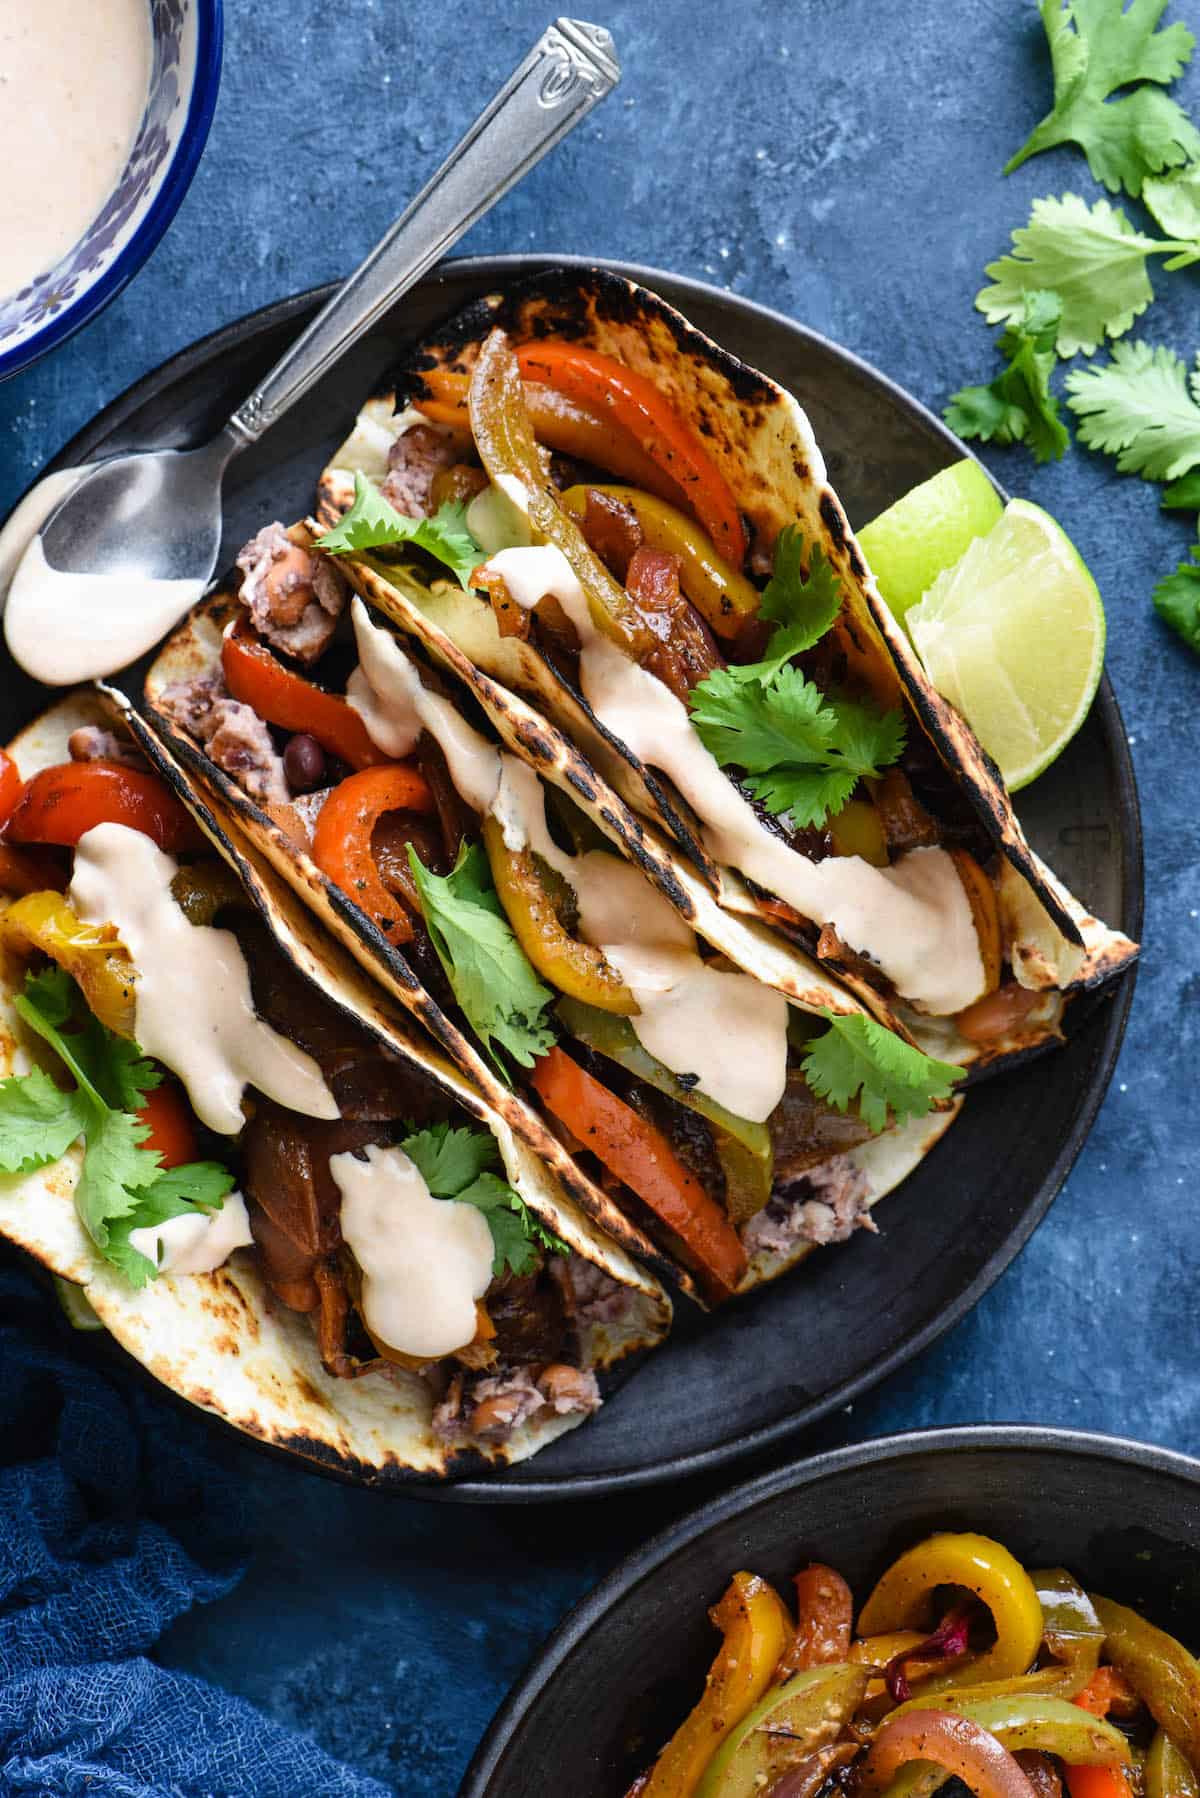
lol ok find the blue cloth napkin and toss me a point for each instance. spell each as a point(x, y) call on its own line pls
point(115, 1518)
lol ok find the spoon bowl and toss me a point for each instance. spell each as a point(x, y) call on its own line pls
point(152, 516)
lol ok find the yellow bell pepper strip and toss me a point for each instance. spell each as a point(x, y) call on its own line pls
point(1168, 1772)
point(44, 924)
point(985, 915)
point(743, 1147)
point(722, 595)
point(575, 968)
point(755, 1624)
point(940, 1740)
point(984, 1568)
point(805, 1713)
point(1159, 1668)
point(504, 439)
point(1073, 1632)
point(858, 830)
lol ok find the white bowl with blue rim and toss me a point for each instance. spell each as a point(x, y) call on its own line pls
point(185, 73)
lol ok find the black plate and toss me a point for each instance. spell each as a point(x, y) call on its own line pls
point(851, 1314)
point(626, 1666)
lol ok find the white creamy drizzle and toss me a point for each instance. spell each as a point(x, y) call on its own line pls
point(913, 918)
point(726, 1029)
point(386, 692)
point(64, 627)
point(75, 78)
point(425, 1261)
point(198, 1242)
point(193, 1008)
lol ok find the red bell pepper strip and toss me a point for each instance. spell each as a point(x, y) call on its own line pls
point(635, 403)
point(168, 1117)
point(342, 839)
point(1105, 1689)
point(61, 803)
point(640, 1155)
point(11, 787)
point(259, 680)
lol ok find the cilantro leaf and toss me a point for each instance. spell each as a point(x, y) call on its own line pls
point(373, 523)
point(1018, 406)
point(122, 1184)
point(1177, 600)
point(459, 1164)
point(1091, 257)
point(1182, 495)
point(1174, 202)
point(1143, 407)
point(857, 1056)
point(1097, 47)
point(801, 607)
point(492, 978)
point(801, 753)
point(38, 1121)
point(450, 1158)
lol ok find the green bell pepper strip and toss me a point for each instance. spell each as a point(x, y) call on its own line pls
point(1168, 1772)
point(1160, 1670)
point(743, 1147)
point(1051, 1725)
point(788, 1724)
point(1073, 1633)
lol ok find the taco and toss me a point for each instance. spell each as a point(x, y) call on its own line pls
point(491, 881)
point(271, 1188)
point(664, 568)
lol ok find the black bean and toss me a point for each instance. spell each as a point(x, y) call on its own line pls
point(304, 763)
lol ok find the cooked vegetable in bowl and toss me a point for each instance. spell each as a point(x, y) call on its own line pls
point(961, 1663)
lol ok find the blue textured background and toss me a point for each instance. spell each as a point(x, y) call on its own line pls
point(841, 162)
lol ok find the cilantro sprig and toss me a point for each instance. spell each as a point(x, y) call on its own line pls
point(800, 751)
point(1098, 49)
point(374, 523)
point(122, 1185)
point(460, 1164)
point(489, 972)
point(858, 1058)
point(1143, 406)
point(1177, 600)
point(1018, 406)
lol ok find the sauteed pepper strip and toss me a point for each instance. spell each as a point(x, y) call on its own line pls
point(743, 1148)
point(718, 590)
point(980, 1566)
point(1029, 1720)
point(636, 404)
point(255, 676)
point(342, 839)
point(59, 804)
point(504, 439)
point(639, 1154)
point(1159, 1669)
point(755, 1624)
point(907, 1743)
point(1073, 1632)
point(575, 968)
point(1168, 1773)
point(43, 923)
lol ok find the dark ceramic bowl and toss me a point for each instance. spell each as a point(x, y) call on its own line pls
point(185, 73)
point(853, 1313)
point(626, 1666)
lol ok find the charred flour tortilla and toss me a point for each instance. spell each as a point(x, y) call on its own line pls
point(221, 1339)
point(762, 444)
point(829, 1202)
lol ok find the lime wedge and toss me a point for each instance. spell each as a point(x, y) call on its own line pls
point(908, 545)
point(1013, 635)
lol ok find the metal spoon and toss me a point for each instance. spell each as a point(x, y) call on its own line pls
point(157, 514)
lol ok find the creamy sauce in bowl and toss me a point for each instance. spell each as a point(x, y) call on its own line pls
point(74, 78)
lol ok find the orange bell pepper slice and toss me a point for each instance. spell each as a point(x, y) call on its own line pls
point(59, 804)
point(342, 839)
point(254, 676)
point(755, 1624)
point(171, 1123)
point(636, 404)
point(640, 1155)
